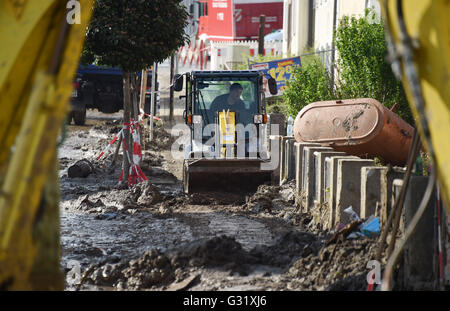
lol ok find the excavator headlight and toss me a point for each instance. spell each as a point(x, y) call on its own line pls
point(197, 119)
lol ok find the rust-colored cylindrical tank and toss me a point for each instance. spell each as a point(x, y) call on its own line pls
point(361, 127)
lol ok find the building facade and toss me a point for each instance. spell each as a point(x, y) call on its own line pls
point(309, 24)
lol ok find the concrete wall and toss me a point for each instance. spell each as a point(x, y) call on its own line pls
point(320, 173)
point(323, 25)
point(348, 187)
point(371, 190)
point(295, 27)
point(308, 175)
point(284, 158)
point(227, 55)
point(297, 23)
point(420, 261)
point(299, 166)
point(333, 164)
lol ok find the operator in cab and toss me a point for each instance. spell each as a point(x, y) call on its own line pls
point(231, 100)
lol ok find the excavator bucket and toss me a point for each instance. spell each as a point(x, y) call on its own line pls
point(229, 175)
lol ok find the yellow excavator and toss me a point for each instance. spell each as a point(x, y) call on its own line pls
point(418, 39)
point(41, 42)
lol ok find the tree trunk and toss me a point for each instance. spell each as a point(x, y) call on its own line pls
point(126, 119)
point(144, 77)
point(134, 96)
point(136, 103)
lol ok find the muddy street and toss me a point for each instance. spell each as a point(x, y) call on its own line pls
point(154, 237)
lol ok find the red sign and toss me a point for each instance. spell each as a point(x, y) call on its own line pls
point(218, 23)
point(247, 13)
point(228, 20)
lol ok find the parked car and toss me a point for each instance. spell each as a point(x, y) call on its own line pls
point(98, 87)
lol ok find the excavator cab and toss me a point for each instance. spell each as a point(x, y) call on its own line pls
point(226, 116)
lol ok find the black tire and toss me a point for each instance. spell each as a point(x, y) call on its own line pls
point(79, 117)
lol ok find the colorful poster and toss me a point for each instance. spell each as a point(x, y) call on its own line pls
point(281, 70)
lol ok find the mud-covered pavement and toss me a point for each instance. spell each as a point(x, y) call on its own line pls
point(153, 237)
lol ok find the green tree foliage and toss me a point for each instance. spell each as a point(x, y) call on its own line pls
point(311, 83)
point(363, 69)
point(133, 34)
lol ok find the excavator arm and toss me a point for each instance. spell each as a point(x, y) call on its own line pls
point(418, 35)
point(38, 59)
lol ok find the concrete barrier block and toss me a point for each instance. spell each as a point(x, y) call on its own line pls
point(275, 141)
point(371, 190)
point(348, 187)
point(419, 268)
point(320, 210)
point(299, 164)
point(308, 176)
point(284, 158)
point(290, 160)
point(319, 158)
point(330, 183)
point(387, 180)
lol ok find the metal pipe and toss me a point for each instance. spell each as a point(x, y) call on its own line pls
point(152, 105)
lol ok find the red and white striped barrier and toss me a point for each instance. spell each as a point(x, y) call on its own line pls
point(110, 144)
point(136, 175)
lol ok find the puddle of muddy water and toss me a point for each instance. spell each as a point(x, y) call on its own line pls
point(249, 233)
point(85, 238)
point(89, 240)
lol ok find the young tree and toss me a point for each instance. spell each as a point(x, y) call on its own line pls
point(362, 70)
point(311, 83)
point(132, 35)
point(362, 65)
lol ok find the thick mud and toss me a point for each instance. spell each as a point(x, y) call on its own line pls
point(154, 237)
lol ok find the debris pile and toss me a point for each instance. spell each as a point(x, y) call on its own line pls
point(162, 140)
point(214, 198)
point(262, 200)
point(340, 266)
point(155, 268)
point(150, 269)
point(88, 205)
point(287, 248)
point(144, 194)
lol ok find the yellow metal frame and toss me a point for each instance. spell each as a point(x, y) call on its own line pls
point(227, 126)
point(38, 61)
point(428, 24)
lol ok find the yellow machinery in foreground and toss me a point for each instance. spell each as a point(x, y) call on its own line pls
point(41, 42)
point(418, 33)
point(418, 37)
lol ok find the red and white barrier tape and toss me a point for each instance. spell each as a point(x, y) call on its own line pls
point(136, 175)
point(126, 125)
point(110, 144)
